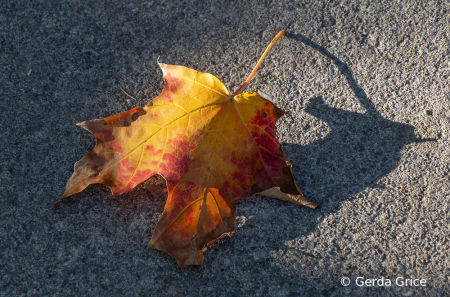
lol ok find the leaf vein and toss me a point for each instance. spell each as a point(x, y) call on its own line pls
point(195, 82)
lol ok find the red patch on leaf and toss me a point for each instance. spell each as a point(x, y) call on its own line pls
point(259, 119)
point(115, 147)
point(224, 188)
point(105, 135)
point(168, 96)
point(169, 78)
point(172, 178)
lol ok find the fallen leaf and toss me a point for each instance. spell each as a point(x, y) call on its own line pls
point(212, 148)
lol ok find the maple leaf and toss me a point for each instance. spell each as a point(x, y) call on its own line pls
point(211, 147)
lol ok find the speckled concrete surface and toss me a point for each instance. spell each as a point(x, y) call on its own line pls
point(367, 84)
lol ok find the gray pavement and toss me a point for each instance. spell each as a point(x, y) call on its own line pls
point(367, 84)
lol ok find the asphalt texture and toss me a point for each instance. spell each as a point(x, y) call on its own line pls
point(366, 83)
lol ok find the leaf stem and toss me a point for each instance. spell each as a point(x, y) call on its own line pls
point(281, 33)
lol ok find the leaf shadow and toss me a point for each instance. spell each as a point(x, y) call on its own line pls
point(358, 151)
